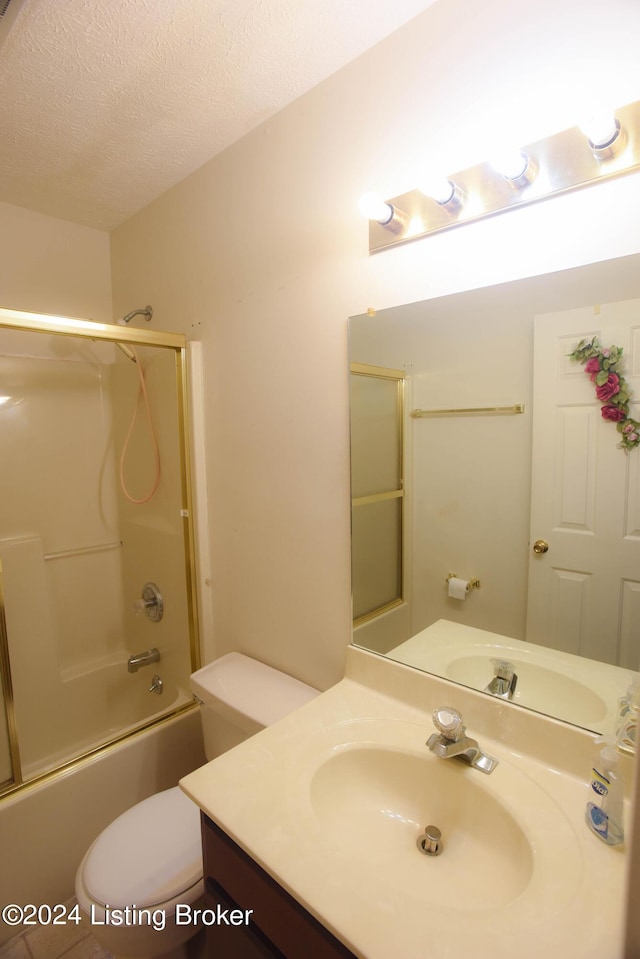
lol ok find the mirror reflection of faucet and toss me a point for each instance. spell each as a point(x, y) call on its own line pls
point(452, 742)
point(503, 684)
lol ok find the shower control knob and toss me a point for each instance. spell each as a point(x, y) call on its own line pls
point(151, 603)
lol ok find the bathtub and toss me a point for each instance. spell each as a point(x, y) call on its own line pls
point(46, 828)
point(93, 709)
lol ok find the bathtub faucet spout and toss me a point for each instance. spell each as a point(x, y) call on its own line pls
point(143, 659)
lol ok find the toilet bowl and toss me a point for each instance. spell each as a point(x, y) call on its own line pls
point(148, 861)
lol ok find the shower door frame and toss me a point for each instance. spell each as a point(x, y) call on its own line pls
point(106, 332)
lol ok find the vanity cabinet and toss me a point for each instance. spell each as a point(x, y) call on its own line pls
point(279, 927)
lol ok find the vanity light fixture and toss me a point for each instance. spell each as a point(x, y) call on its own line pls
point(607, 145)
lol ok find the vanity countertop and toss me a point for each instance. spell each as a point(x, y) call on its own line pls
point(558, 891)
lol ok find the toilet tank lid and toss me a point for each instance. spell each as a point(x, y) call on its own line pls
point(253, 689)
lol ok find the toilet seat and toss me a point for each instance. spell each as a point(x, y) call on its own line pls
point(148, 856)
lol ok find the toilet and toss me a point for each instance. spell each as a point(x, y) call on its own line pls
point(149, 859)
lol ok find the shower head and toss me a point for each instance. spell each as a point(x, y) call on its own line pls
point(148, 312)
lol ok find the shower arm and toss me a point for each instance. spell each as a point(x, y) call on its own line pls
point(147, 311)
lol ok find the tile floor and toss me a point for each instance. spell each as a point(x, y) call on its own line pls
point(72, 942)
point(55, 942)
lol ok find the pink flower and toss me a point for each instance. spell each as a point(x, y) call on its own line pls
point(632, 438)
point(613, 413)
point(592, 367)
point(608, 389)
point(629, 428)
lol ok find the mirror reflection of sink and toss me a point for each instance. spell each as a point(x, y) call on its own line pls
point(540, 688)
point(578, 690)
point(385, 797)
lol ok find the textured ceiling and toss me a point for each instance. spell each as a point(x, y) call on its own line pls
point(105, 104)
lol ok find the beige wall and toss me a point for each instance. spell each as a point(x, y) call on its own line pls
point(48, 265)
point(261, 254)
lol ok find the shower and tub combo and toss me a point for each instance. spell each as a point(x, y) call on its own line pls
point(98, 615)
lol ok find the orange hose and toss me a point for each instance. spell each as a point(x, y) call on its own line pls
point(141, 390)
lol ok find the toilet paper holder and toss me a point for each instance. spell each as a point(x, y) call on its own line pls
point(472, 584)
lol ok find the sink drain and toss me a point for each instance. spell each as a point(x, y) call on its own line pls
point(431, 843)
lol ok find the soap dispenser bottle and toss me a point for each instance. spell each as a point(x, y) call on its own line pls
point(604, 816)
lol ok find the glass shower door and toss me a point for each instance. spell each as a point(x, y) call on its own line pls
point(94, 508)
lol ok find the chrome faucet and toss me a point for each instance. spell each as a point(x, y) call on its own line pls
point(143, 659)
point(451, 741)
point(503, 684)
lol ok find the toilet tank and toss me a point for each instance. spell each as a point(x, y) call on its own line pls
point(241, 696)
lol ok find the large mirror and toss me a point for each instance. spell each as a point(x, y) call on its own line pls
point(496, 520)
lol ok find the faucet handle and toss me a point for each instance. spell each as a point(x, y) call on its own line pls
point(448, 722)
point(505, 679)
point(503, 669)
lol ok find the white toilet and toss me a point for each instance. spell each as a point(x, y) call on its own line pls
point(149, 859)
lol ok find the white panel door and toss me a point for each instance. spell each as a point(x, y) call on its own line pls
point(584, 592)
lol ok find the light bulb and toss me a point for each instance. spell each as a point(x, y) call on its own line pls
point(601, 129)
point(375, 208)
point(439, 189)
point(512, 164)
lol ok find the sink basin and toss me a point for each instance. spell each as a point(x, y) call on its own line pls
point(386, 797)
point(371, 789)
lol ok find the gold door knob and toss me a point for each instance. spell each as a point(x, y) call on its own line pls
point(540, 546)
